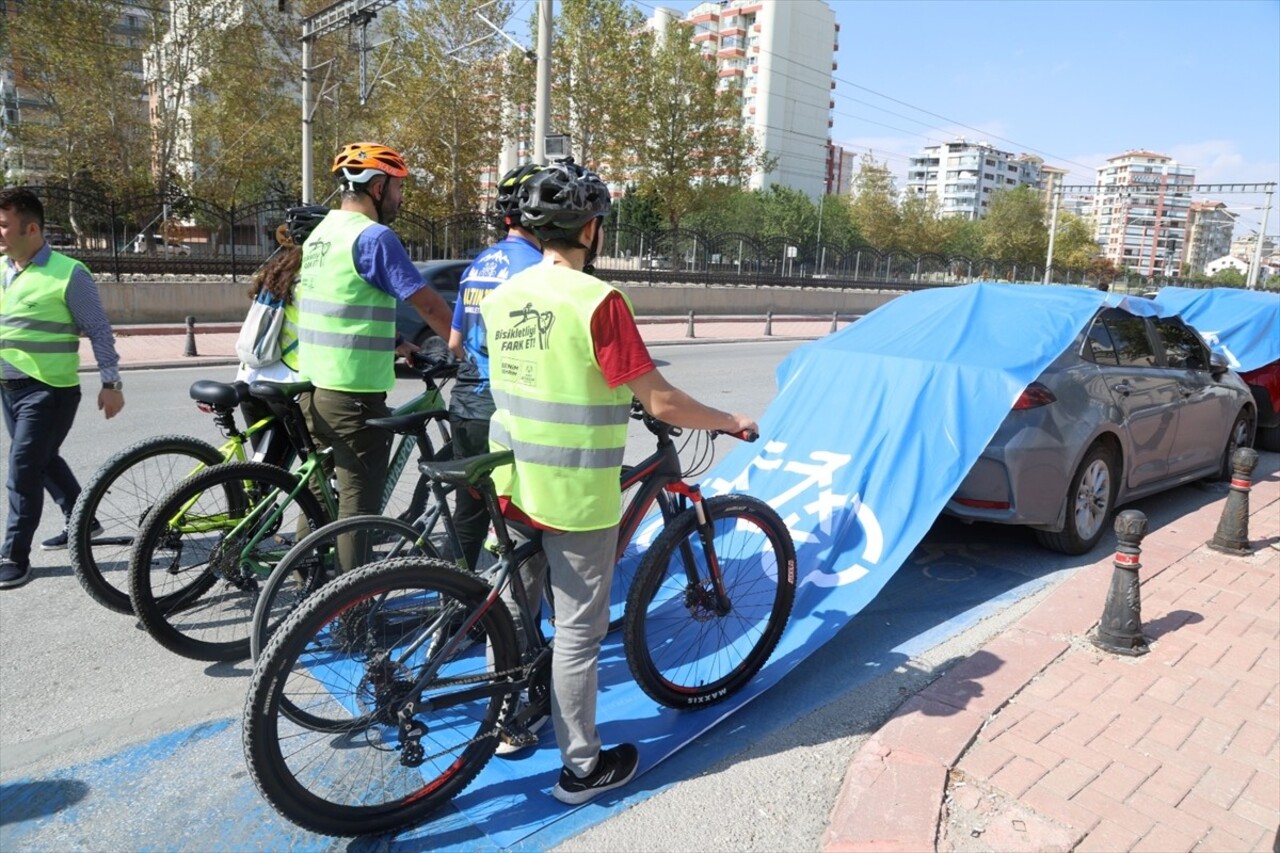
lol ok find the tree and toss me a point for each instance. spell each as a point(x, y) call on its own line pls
point(920, 227)
point(1015, 229)
point(1074, 247)
point(1229, 277)
point(692, 151)
point(598, 52)
point(873, 208)
point(83, 72)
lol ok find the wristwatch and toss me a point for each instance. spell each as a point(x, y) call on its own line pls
point(113, 386)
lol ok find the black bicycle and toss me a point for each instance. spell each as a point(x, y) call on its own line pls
point(384, 694)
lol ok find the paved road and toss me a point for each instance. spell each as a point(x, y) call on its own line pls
point(80, 683)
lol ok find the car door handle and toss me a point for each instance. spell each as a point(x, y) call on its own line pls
point(1122, 388)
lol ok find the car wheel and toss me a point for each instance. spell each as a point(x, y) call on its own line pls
point(1241, 432)
point(1090, 501)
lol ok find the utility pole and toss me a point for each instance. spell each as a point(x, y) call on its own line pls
point(1255, 266)
point(542, 95)
point(1053, 230)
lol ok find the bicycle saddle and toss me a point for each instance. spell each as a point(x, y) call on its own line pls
point(410, 424)
point(219, 394)
point(468, 471)
point(279, 392)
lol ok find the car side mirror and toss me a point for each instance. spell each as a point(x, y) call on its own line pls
point(1218, 363)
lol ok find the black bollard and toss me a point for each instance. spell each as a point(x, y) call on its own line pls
point(1120, 630)
point(1232, 536)
point(190, 349)
point(688, 332)
point(768, 323)
point(834, 321)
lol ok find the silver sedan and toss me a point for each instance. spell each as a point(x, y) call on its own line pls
point(1134, 406)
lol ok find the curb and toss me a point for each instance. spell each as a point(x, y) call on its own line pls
point(892, 795)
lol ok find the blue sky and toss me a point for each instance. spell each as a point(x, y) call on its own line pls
point(1073, 81)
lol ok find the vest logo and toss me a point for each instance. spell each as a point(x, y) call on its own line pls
point(532, 329)
point(314, 253)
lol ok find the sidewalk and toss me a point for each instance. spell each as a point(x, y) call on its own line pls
point(160, 346)
point(1040, 741)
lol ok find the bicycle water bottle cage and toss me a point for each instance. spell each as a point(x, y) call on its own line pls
point(468, 471)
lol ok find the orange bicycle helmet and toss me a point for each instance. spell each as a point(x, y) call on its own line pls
point(359, 162)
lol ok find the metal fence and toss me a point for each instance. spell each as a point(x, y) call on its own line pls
point(159, 236)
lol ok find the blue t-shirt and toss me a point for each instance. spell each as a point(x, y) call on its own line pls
point(381, 260)
point(471, 396)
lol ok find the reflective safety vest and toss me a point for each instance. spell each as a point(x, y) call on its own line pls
point(289, 337)
point(38, 335)
point(568, 428)
point(346, 326)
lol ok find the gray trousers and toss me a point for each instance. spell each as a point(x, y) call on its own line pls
point(581, 571)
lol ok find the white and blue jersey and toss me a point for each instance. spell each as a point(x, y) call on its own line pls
point(471, 397)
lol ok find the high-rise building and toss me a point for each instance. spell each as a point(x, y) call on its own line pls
point(1209, 227)
point(774, 53)
point(841, 165)
point(962, 175)
point(1244, 246)
point(1141, 210)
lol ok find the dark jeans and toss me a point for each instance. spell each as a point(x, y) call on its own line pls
point(38, 418)
point(470, 438)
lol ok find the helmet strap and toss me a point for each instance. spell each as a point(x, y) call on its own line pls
point(588, 266)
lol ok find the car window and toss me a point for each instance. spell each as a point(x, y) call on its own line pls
point(1129, 334)
point(1182, 348)
point(1100, 346)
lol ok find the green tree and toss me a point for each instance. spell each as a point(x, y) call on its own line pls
point(962, 237)
point(599, 50)
point(89, 122)
point(1074, 246)
point(692, 151)
point(873, 207)
point(1229, 277)
point(920, 227)
point(1015, 228)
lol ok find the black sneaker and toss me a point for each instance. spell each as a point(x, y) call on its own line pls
point(57, 543)
point(614, 768)
point(13, 574)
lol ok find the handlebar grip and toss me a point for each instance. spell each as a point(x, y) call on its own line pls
point(743, 435)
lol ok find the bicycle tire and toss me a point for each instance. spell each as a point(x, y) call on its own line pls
point(207, 615)
point(307, 567)
point(345, 777)
point(119, 495)
point(683, 653)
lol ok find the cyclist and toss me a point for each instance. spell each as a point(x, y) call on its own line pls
point(471, 404)
point(46, 300)
point(277, 280)
point(354, 268)
point(565, 358)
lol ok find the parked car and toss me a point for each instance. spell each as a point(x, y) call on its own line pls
point(1243, 324)
point(59, 237)
point(1134, 406)
point(444, 276)
point(159, 245)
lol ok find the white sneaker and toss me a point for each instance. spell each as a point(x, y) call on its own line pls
point(515, 737)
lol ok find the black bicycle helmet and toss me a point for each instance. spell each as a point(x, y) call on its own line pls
point(303, 219)
point(507, 205)
point(557, 201)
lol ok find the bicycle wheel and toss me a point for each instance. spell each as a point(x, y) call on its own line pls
point(351, 659)
point(683, 648)
point(192, 584)
point(118, 496)
point(315, 561)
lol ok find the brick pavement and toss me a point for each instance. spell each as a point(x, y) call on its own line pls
point(1040, 741)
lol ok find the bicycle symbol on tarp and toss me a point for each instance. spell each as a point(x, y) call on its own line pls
point(826, 524)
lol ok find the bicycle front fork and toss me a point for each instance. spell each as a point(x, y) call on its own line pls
point(697, 593)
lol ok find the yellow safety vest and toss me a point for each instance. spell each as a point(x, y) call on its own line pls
point(38, 335)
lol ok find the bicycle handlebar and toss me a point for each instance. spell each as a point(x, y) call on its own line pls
point(432, 368)
point(660, 428)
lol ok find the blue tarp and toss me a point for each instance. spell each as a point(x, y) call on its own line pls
point(1243, 324)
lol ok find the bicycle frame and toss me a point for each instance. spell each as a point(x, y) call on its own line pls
point(428, 400)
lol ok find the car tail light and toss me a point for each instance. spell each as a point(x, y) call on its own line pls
point(1033, 397)
point(976, 504)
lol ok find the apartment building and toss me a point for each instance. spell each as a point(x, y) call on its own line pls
point(1141, 211)
point(1244, 246)
point(774, 54)
point(962, 175)
point(841, 167)
point(1209, 227)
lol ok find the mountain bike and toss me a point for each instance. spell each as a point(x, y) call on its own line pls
point(120, 493)
point(317, 558)
point(202, 553)
point(385, 693)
